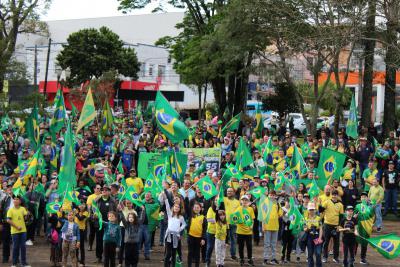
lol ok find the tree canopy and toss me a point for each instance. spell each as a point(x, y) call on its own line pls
point(90, 53)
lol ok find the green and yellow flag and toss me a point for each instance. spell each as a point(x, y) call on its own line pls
point(352, 124)
point(53, 207)
point(296, 219)
point(330, 164)
point(247, 220)
point(314, 190)
point(264, 209)
point(387, 245)
point(297, 164)
point(67, 174)
point(168, 120)
point(59, 116)
point(32, 127)
point(243, 156)
point(132, 196)
point(236, 217)
point(260, 122)
point(365, 221)
point(32, 167)
point(97, 212)
point(107, 118)
point(207, 187)
point(257, 192)
point(88, 113)
point(233, 124)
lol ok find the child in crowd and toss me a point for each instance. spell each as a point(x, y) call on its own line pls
point(70, 235)
point(220, 238)
point(80, 219)
point(132, 226)
point(197, 225)
point(176, 224)
point(16, 218)
point(287, 236)
point(348, 227)
point(111, 239)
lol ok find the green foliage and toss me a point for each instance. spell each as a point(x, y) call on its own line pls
point(282, 101)
point(18, 16)
point(16, 73)
point(90, 52)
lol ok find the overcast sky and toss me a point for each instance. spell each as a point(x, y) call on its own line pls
point(75, 9)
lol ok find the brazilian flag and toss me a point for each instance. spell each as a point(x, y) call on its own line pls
point(330, 164)
point(207, 187)
point(132, 196)
point(232, 125)
point(387, 245)
point(236, 217)
point(53, 207)
point(168, 120)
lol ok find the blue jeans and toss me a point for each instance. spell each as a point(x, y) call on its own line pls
point(312, 250)
point(232, 239)
point(391, 200)
point(19, 245)
point(144, 237)
point(210, 246)
point(378, 215)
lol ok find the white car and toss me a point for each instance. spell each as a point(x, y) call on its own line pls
point(299, 126)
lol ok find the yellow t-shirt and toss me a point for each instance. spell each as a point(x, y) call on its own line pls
point(324, 198)
point(196, 226)
point(273, 222)
point(316, 221)
point(90, 199)
point(82, 224)
point(137, 183)
point(220, 231)
point(17, 216)
point(332, 212)
point(210, 225)
point(242, 229)
point(230, 207)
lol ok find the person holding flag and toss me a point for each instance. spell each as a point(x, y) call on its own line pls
point(270, 227)
point(313, 238)
point(244, 230)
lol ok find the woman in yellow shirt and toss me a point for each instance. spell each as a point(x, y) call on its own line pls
point(244, 231)
point(80, 219)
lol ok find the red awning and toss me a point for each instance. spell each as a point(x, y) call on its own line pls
point(137, 85)
point(52, 87)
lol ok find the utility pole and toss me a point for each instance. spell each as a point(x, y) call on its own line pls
point(47, 70)
point(35, 68)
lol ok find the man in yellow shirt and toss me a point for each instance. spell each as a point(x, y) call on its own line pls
point(135, 181)
point(271, 229)
point(231, 204)
point(244, 232)
point(16, 218)
point(332, 210)
point(376, 195)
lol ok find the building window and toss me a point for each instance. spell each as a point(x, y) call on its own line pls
point(161, 71)
point(151, 69)
point(142, 69)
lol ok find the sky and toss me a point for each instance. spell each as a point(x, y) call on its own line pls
point(75, 9)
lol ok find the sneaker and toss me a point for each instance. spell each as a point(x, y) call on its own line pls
point(324, 260)
point(13, 265)
point(29, 243)
point(265, 262)
point(298, 259)
point(330, 252)
point(241, 262)
point(335, 260)
point(119, 265)
point(379, 229)
point(251, 263)
point(284, 261)
point(26, 265)
point(234, 257)
point(274, 262)
point(364, 262)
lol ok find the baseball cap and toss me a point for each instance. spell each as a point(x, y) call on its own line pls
point(311, 206)
point(244, 197)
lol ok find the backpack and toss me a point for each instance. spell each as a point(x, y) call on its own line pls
point(53, 237)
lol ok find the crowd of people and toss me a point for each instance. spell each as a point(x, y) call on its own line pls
point(116, 229)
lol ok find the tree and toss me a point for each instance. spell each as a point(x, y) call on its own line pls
point(282, 101)
point(18, 16)
point(369, 41)
point(202, 53)
point(16, 73)
point(89, 53)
